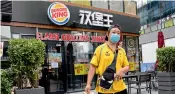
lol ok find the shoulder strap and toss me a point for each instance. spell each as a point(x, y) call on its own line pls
point(113, 61)
point(101, 53)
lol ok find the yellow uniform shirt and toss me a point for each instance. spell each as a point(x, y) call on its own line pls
point(103, 61)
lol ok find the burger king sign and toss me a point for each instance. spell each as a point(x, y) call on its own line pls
point(58, 13)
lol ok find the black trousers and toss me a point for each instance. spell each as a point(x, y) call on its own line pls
point(122, 92)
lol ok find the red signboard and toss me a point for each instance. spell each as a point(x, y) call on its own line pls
point(69, 37)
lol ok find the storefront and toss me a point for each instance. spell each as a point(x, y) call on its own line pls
point(71, 32)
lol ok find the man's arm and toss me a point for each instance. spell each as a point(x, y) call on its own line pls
point(125, 66)
point(125, 69)
point(91, 74)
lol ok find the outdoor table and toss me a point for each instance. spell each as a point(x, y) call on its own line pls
point(137, 75)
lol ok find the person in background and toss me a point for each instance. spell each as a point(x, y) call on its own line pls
point(109, 56)
point(121, 44)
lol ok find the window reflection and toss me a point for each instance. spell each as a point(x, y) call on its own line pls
point(78, 63)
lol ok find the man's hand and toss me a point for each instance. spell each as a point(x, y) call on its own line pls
point(119, 75)
point(88, 89)
point(90, 77)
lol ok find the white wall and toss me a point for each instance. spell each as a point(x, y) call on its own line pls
point(170, 42)
point(149, 50)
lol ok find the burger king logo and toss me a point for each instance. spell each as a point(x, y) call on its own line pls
point(58, 13)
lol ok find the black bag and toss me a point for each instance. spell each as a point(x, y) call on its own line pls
point(107, 79)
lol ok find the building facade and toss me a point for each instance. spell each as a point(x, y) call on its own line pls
point(71, 30)
point(155, 16)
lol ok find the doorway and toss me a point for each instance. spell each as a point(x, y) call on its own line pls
point(78, 57)
point(55, 75)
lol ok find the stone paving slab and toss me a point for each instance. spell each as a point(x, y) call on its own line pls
point(134, 91)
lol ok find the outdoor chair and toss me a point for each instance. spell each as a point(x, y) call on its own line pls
point(132, 73)
point(146, 78)
point(130, 79)
point(153, 80)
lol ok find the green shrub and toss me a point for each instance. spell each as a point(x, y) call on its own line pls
point(166, 59)
point(26, 56)
point(6, 81)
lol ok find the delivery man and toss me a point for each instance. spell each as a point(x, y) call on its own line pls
point(111, 64)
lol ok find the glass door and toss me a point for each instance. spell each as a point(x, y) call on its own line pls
point(56, 70)
point(79, 55)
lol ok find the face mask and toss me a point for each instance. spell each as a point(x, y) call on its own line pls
point(115, 38)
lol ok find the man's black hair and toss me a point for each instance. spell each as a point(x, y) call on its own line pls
point(106, 38)
point(114, 26)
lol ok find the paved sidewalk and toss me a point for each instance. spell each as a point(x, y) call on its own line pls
point(133, 91)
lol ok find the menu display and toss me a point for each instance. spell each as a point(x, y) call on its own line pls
point(81, 69)
point(54, 59)
point(131, 52)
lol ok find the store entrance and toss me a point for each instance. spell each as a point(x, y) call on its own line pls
point(56, 67)
point(67, 66)
point(78, 57)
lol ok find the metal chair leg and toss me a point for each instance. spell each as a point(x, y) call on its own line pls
point(139, 88)
point(129, 88)
point(146, 86)
point(150, 89)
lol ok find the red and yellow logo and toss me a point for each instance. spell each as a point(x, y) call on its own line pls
point(58, 13)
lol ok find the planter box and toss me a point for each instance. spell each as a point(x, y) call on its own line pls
point(39, 90)
point(166, 82)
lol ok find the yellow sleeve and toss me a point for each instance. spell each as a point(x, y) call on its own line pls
point(125, 61)
point(95, 59)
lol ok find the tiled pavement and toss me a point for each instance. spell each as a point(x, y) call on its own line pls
point(134, 91)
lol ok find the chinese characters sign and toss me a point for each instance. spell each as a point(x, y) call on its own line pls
point(95, 18)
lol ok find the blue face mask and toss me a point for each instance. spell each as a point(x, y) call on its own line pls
point(115, 38)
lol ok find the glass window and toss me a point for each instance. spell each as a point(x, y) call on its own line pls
point(28, 36)
point(132, 51)
point(82, 54)
point(130, 7)
point(116, 5)
point(173, 3)
point(100, 4)
point(156, 11)
point(4, 59)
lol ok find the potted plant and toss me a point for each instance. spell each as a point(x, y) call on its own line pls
point(166, 68)
point(26, 57)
